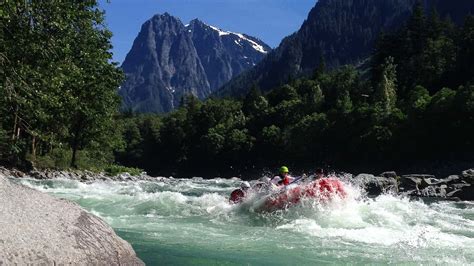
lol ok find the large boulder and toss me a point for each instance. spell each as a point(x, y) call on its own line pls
point(39, 229)
point(416, 182)
point(463, 192)
point(376, 185)
point(389, 174)
point(450, 179)
point(438, 191)
point(468, 176)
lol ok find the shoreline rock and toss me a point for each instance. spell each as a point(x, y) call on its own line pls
point(37, 228)
point(453, 187)
point(82, 176)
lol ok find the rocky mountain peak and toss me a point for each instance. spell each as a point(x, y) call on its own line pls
point(169, 60)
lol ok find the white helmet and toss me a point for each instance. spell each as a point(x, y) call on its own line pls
point(245, 185)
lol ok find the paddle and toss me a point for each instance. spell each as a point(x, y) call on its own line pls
point(297, 179)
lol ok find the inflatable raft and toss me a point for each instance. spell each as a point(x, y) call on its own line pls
point(322, 190)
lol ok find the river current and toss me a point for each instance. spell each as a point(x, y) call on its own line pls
point(190, 222)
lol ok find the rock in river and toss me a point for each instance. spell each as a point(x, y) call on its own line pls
point(376, 185)
point(36, 228)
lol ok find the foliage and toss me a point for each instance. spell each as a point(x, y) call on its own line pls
point(57, 84)
point(113, 170)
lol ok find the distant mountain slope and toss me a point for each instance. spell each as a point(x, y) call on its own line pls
point(169, 60)
point(340, 31)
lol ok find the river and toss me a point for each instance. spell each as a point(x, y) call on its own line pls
point(189, 221)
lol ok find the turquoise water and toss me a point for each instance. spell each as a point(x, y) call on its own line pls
point(189, 222)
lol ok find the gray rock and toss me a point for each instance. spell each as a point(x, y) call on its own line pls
point(86, 177)
point(450, 179)
point(40, 229)
point(468, 175)
point(37, 174)
point(429, 181)
point(408, 182)
point(459, 185)
point(416, 181)
point(83, 176)
point(15, 173)
point(124, 177)
point(434, 191)
point(429, 186)
point(411, 192)
point(465, 192)
point(390, 174)
point(376, 185)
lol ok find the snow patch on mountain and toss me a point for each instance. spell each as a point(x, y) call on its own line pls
point(241, 37)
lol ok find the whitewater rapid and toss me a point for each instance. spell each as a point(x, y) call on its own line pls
point(183, 221)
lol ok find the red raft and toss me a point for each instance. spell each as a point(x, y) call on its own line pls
point(323, 190)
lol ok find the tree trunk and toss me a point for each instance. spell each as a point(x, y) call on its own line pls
point(33, 148)
point(74, 147)
point(73, 158)
point(75, 144)
point(15, 125)
point(18, 132)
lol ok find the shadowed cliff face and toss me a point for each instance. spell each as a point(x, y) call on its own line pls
point(169, 60)
point(39, 229)
point(340, 31)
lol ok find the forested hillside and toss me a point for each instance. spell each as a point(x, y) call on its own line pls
point(418, 105)
point(339, 32)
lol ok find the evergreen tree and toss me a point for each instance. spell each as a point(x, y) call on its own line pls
point(311, 94)
point(386, 91)
point(465, 59)
point(254, 103)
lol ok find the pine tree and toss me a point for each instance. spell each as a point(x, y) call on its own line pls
point(465, 59)
point(386, 91)
point(416, 30)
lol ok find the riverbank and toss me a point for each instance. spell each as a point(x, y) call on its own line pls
point(455, 186)
point(40, 229)
point(79, 175)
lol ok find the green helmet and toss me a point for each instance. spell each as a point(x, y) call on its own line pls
point(284, 169)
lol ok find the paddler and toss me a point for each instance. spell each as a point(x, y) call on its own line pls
point(283, 178)
point(238, 195)
point(318, 173)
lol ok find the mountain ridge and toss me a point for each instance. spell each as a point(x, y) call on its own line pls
point(339, 32)
point(170, 60)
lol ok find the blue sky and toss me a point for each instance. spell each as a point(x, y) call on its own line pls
point(269, 20)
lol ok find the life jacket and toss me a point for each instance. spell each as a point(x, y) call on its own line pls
point(237, 196)
point(284, 180)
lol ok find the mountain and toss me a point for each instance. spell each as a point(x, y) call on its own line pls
point(169, 60)
point(338, 31)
